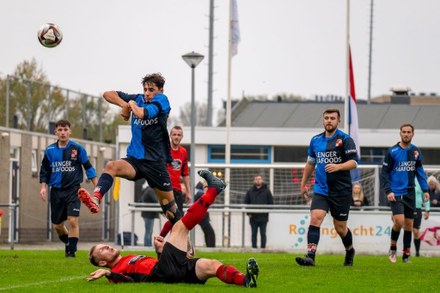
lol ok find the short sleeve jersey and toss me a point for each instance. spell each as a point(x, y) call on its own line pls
point(150, 138)
point(62, 167)
point(179, 166)
point(336, 149)
point(399, 169)
point(137, 267)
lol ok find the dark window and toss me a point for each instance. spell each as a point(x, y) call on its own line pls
point(240, 154)
point(286, 154)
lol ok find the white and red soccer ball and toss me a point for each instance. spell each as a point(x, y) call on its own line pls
point(50, 35)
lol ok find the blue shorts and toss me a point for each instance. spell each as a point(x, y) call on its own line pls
point(156, 173)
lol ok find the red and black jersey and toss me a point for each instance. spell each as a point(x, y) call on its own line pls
point(179, 166)
point(132, 268)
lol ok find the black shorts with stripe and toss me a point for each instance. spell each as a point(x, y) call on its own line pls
point(175, 267)
point(405, 204)
point(155, 173)
point(64, 202)
point(339, 206)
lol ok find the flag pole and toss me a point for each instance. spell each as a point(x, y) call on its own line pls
point(226, 240)
point(347, 73)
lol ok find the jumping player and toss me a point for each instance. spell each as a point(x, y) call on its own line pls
point(61, 169)
point(402, 163)
point(334, 154)
point(149, 149)
point(172, 265)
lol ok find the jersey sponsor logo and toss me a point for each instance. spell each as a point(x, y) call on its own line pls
point(406, 166)
point(147, 122)
point(135, 259)
point(177, 164)
point(74, 155)
point(328, 157)
point(62, 166)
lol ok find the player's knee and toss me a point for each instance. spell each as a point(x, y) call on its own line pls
point(110, 167)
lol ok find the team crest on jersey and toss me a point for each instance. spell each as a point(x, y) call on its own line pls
point(74, 155)
point(338, 143)
point(416, 154)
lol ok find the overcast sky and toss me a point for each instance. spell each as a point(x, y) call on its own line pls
point(287, 46)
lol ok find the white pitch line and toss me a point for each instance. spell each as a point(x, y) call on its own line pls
point(42, 283)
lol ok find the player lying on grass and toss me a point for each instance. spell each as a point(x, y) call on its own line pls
point(172, 265)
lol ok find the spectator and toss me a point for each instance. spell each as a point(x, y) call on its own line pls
point(434, 191)
point(207, 229)
point(258, 194)
point(358, 195)
point(148, 196)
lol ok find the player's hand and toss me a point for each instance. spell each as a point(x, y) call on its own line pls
point(390, 196)
point(331, 168)
point(43, 194)
point(98, 274)
point(125, 111)
point(188, 198)
point(426, 196)
point(159, 241)
point(426, 217)
point(304, 192)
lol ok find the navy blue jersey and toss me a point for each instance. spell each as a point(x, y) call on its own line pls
point(400, 166)
point(337, 149)
point(150, 138)
point(61, 167)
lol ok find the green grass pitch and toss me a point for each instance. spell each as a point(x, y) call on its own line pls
point(50, 271)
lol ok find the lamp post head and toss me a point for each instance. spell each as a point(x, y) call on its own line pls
point(193, 59)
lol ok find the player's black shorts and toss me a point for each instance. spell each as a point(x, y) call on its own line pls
point(404, 204)
point(418, 219)
point(64, 202)
point(155, 173)
point(175, 267)
point(339, 206)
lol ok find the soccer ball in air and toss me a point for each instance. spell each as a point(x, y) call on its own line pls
point(50, 35)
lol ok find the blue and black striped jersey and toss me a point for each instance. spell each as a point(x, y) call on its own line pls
point(336, 149)
point(400, 166)
point(150, 139)
point(61, 167)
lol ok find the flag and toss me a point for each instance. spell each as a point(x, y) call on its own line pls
point(353, 125)
point(116, 188)
point(235, 28)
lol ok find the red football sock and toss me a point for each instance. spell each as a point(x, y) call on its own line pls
point(230, 275)
point(198, 209)
point(166, 228)
point(210, 195)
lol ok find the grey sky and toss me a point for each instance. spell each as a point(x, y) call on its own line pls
point(287, 46)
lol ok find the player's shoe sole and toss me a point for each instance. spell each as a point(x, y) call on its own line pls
point(92, 203)
point(305, 261)
point(212, 181)
point(349, 257)
point(252, 271)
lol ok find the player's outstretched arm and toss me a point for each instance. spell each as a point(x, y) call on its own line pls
point(98, 274)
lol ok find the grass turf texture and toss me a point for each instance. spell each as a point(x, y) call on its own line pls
point(50, 271)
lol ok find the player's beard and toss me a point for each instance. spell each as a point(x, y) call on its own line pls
point(330, 129)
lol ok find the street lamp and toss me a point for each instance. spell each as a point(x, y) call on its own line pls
point(193, 59)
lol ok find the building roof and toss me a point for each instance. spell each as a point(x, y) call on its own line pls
point(307, 114)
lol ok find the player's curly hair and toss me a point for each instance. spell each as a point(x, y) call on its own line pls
point(156, 78)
